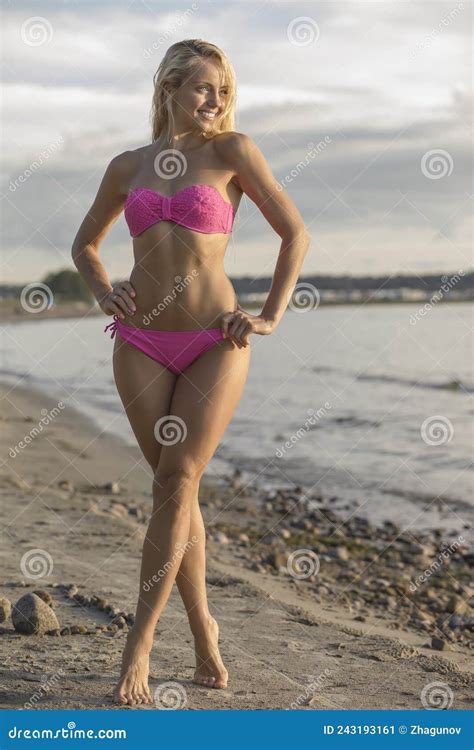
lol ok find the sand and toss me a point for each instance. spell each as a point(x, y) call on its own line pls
point(286, 643)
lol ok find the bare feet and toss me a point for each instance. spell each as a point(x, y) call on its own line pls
point(132, 687)
point(210, 670)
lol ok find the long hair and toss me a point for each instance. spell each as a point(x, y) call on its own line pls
point(178, 64)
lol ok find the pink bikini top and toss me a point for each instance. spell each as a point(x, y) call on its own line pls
point(198, 207)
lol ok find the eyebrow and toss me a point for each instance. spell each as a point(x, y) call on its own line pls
point(208, 83)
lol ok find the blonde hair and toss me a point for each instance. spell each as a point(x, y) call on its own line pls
point(177, 65)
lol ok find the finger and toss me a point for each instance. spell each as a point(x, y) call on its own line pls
point(126, 298)
point(240, 332)
point(129, 288)
point(226, 320)
point(236, 323)
point(120, 304)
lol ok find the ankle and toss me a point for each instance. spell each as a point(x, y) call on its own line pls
point(201, 625)
point(140, 638)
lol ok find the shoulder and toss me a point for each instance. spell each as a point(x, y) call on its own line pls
point(232, 145)
point(123, 166)
point(238, 152)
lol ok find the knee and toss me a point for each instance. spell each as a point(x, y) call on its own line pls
point(178, 485)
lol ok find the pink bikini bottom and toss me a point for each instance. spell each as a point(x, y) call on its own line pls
point(173, 349)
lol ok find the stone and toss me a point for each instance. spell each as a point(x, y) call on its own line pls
point(112, 487)
point(456, 605)
point(32, 616)
point(221, 538)
point(5, 609)
point(45, 596)
point(340, 553)
point(438, 644)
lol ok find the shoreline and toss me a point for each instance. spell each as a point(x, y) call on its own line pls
point(84, 497)
point(14, 313)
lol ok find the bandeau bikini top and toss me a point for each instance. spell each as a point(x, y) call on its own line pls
point(198, 207)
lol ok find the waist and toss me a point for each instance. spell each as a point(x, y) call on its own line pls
point(184, 302)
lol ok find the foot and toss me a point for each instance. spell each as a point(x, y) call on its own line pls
point(210, 670)
point(132, 688)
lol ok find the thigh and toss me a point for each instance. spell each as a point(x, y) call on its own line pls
point(145, 388)
point(204, 399)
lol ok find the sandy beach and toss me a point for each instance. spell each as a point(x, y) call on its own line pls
point(314, 612)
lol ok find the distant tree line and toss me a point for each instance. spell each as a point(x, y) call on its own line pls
point(68, 285)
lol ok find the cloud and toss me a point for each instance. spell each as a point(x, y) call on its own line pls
point(385, 82)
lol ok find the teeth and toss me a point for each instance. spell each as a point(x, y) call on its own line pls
point(207, 115)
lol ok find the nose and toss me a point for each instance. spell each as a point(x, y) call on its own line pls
point(213, 101)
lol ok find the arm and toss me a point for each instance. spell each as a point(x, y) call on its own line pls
point(256, 180)
point(104, 212)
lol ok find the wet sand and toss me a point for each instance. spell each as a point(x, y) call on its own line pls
point(344, 632)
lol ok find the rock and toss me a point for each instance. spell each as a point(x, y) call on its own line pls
point(439, 644)
point(31, 615)
point(221, 538)
point(119, 621)
point(66, 485)
point(65, 631)
point(119, 509)
point(5, 609)
point(457, 605)
point(279, 560)
point(340, 553)
point(78, 630)
point(72, 590)
point(112, 487)
point(45, 596)
point(244, 538)
point(454, 622)
point(286, 533)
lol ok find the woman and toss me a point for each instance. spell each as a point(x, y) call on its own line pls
point(182, 351)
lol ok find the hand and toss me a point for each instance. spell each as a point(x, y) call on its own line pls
point(119, 300)
point(238, 325)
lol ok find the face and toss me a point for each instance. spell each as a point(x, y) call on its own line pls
point(201, 98)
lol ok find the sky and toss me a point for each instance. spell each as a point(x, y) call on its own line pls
point(362, 110)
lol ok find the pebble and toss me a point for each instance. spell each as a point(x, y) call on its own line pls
point(244, 538)
point(112, 487)
point(221, 538)
point(45, 596)
point(438, 644)
point(340, 553)
point(31, 615)
point(66, 485)
point(456, 604)
point(5, 609)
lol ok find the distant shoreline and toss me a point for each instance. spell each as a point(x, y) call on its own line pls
point(11, 310)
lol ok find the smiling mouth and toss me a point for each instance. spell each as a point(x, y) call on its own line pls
point(210, 116)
